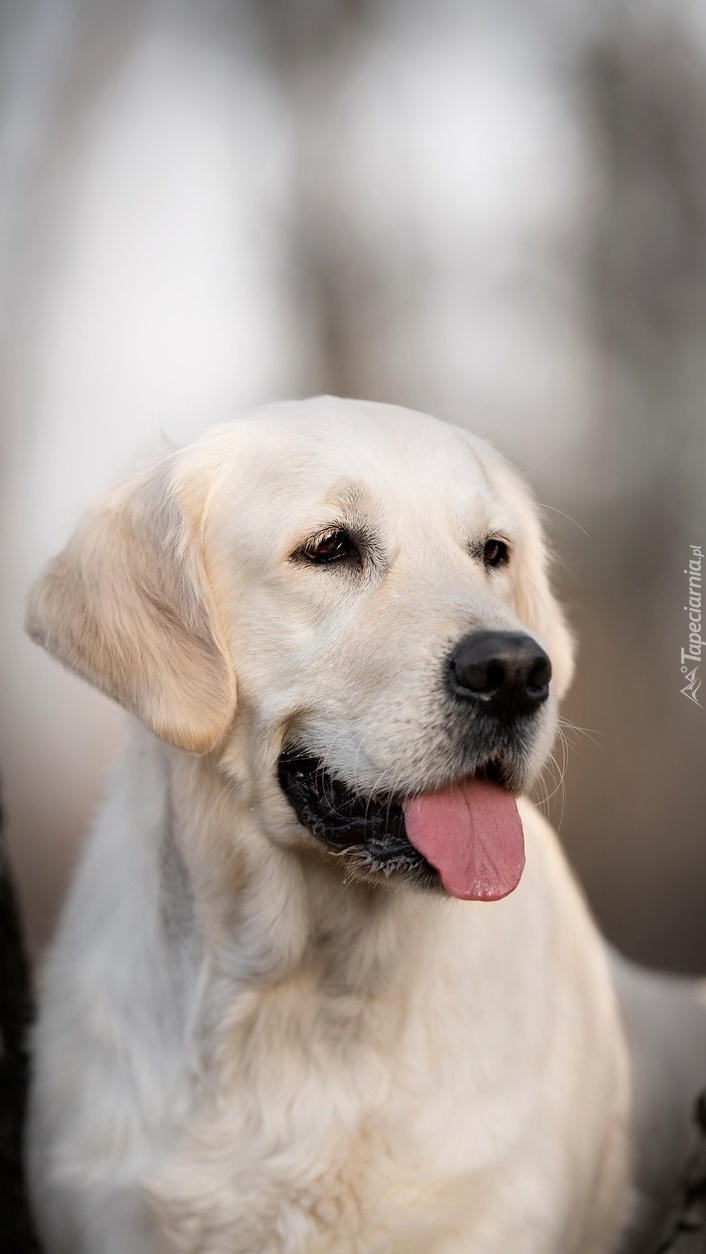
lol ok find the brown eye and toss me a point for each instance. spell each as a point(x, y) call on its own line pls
point(495, 553)
point(330, 546)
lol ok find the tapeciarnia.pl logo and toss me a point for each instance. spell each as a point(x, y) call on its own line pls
point(691, 657)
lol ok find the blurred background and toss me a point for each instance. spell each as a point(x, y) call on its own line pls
point(490, 210)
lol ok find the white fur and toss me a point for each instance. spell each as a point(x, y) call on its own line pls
point(241, 1048)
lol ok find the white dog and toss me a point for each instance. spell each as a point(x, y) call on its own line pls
point(306, 996)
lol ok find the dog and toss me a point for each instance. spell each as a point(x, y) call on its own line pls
point(324, 983)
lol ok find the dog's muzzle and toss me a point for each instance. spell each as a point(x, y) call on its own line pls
point(463, 833)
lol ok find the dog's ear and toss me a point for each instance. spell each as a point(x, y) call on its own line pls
point(127, 606)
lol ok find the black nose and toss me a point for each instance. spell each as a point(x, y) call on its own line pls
point(506, 673)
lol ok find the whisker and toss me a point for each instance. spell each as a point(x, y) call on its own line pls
point(565, 726)
point(567, 516)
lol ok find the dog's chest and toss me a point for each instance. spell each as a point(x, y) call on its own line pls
point(322, 1140)
point(326, 1172)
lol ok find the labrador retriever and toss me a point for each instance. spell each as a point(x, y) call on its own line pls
point(324, 983)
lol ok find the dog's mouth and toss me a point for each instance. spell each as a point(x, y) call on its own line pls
point(465, 837)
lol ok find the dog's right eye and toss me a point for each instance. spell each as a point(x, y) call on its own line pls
point(334, 545)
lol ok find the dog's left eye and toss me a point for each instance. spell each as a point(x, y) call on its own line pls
point(329, 546)
point(496, 553)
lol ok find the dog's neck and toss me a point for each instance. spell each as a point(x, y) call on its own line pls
point(266, 912)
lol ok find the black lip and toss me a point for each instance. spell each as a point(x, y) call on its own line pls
point(369, 830)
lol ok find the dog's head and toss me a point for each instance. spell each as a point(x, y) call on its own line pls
point(347, 606)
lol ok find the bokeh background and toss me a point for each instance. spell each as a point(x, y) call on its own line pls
point(491, 210)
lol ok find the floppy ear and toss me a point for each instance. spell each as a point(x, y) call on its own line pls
point(127, 606)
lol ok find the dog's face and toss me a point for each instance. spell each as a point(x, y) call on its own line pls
point(346, 604)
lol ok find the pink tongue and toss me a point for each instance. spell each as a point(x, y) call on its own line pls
point(472, 834)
